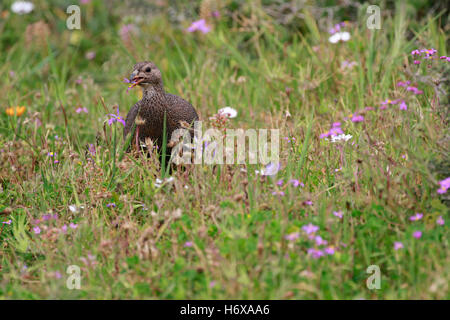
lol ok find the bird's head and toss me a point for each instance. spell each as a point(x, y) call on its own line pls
point(146, 74)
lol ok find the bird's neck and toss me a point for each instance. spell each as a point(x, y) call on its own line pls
point(153, 91)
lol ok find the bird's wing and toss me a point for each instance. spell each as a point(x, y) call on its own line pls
point(131, 117)
point(180, 109)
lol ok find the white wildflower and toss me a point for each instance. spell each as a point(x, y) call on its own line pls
point(271, 169)
point(339, 36)
point(22, 7)
point(158, 182)
point(229, 112)
point(341, 137)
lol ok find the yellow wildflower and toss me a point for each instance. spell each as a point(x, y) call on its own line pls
point(15, 110)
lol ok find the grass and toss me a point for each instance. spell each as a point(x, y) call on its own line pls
point(218, 232)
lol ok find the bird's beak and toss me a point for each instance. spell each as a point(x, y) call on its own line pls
point(133, 75)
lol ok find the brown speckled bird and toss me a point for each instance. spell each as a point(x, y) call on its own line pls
point(148, 113)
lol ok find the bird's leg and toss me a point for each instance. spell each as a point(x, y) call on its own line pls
point(137, 138)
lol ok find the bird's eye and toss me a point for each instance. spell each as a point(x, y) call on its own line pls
point(148, 69)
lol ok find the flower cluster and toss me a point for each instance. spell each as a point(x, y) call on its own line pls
point(357, 118)
point(317, 252)
point(294, 182)
point(90, 261)
point(334, 131)
point(445, 185)
point(406, 85)
point(18, 111)
point(199, 25)
point(402, 106)
point(338, 214)
point(338, 35)
point(22, 7)
point(310, 228)
point(53, 155)
point(127, 31)
point(223, 115)
point(337, 27)
point(292, 236)
point(416, 217)
point(159, 182)
point(320, 247)
point(292, 139)
point(82, 109)
point(347, 64)
point(228, 112)
point(417, 234)
point(51, 231)
point(427, 54)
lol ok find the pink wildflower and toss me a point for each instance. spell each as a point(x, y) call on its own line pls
point(292, 236)
point(319, 241)
point(90, 55)
point(295, 183)
point(398, 245)
point(416, 217)
point(336, 131)
point(417, 234)
point(80, 109)
point(445, 185)
point(315, 253)
point(37, 230)
point(403, 105)
point(403, 84)
point(338, 214)
point(414, 90)
point(199, 25)
point(310, 228)
point(127, 31)
point(357, 118)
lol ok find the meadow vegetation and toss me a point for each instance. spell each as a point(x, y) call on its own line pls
point(71, 195)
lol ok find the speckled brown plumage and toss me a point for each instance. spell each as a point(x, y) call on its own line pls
point(148, 113)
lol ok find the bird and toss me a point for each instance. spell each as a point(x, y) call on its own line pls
point(156, 104)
